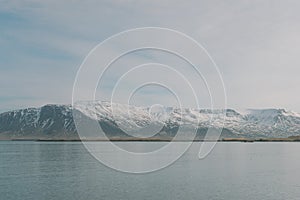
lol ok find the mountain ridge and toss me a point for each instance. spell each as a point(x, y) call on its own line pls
point(121, 121)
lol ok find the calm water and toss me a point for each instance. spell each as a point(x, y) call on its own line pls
point(40, 170)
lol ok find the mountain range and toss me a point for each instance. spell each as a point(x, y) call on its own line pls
point(127, 121)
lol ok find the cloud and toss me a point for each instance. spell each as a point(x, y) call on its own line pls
point(255, 44)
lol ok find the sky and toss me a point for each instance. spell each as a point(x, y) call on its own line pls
point(255, 44)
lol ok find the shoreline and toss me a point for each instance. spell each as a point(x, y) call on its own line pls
point(243, 140)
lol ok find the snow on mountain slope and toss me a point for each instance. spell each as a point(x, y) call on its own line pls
point(118, 119)
point(49, 119)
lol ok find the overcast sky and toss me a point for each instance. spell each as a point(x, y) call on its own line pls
point(255, 44)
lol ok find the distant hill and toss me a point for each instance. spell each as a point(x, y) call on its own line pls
point(122, 121)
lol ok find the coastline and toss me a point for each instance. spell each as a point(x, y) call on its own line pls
point(243, 140)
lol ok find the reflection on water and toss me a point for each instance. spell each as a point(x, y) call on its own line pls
point(58, 170)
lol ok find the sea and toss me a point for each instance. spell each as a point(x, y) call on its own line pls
point(233, 170)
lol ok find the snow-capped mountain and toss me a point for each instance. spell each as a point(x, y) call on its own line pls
point(49, 120)
point(118, 120)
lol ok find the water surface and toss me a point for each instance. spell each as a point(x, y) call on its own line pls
point(65, 170)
